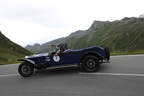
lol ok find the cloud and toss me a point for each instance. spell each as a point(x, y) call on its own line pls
point(32, 21)
point(28, 33)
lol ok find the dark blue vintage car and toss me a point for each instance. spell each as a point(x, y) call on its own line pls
point(88, 59)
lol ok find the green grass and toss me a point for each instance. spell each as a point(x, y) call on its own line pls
point(127, 53)
point(9, 58)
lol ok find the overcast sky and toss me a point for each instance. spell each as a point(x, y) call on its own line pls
point(38, 21)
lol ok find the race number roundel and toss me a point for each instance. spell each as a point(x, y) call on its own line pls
point(56, 58)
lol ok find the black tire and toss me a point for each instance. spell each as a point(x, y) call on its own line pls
point(90, 63)
point(26, 69)
point(107, 51)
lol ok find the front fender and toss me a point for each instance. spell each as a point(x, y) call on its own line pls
point(27, 60)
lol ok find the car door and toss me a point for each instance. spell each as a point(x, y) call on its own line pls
point(69, 57)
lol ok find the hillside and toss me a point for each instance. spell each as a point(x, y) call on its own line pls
point(37, 48)
point(122, 35)
point(9, 51)
point(126, 35)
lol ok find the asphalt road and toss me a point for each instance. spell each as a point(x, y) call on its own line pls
point(123, 76)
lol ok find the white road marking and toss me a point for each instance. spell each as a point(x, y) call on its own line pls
point(110, 74)
point(115, 74)
point(127, 55)
point(5, 75)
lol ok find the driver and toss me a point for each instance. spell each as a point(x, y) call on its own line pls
point(61, 48)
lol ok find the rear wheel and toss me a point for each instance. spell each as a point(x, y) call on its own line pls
point(90, 63)
point(25, 69)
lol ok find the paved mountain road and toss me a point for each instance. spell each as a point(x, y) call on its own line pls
point(123, 76)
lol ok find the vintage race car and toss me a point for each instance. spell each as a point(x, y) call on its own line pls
point(87, 59)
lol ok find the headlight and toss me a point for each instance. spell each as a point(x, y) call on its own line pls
point(26, 56)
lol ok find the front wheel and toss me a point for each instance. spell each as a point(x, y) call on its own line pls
point(25, 69)
point(90, 63)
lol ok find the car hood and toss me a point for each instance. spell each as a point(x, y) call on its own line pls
point(38, 55)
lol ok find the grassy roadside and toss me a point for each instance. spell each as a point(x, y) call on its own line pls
point(9, 57)
point(127, 53)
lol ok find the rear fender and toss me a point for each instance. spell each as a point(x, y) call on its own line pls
point(92, 53)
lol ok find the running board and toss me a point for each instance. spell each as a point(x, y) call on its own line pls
point(65, 66)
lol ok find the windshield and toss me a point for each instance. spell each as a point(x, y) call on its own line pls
point(53, 48)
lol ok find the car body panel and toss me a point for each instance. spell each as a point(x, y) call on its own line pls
point(69, 57)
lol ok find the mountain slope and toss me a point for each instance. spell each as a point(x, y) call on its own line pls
point(126, 35)
point(123, 35)
point(10, 51)
point(37, 48)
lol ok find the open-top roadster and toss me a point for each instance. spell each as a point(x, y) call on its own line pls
point(88, 59)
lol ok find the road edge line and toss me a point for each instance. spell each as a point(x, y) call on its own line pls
point(115, 74)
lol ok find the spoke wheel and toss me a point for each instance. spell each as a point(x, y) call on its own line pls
point(25, 69)
point(90, 64)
